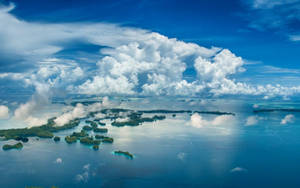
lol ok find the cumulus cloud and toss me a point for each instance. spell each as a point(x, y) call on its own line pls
point(26, 110)
point(80, 111)
point(133, 61)
point(4, 112)
point(238, 169)
point(252, 120)
point(287, 119)
point(198, 121)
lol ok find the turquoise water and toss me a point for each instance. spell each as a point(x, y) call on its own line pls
point(169, 153)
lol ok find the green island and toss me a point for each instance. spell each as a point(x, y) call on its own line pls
point(56, 138)
point(104, 139)
point(18, 145)
point(95, 147)
point(82, 133)
point(92, 123)
point(71, 139)
point(87, 128)
point(135, 119)
point(125, 153)
point(21, 138)
point(89, 141)
point(43, 131)
point(101, 123)
point(100, 130)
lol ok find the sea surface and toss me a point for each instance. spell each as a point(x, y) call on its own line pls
point(168, 153)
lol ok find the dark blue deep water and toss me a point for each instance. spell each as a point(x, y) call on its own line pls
point(169, 153)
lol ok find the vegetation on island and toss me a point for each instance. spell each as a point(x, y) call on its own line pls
point(89, 141)
point(108, 140)
point(135, 119)
point(56, 138)
point(21, 138)
point(100, 130)
point(125, 153)
point(101, 123)
point(92, 123)
point(71, 139)
point(99, 137)
point(18, 145)
point(95, 147)
point(82, 133)
point(43, 131)
point(87, 128)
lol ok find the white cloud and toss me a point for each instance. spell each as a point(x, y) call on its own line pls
point(58, 161)
point(251, 120)
point(134, 61)
point(80, 111)
point(287, 119)
point(4, 112)
point(198, 121)
point(238, 169)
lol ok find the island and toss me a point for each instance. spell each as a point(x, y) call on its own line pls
point(101, 123)
point(124, 153)
point(87, 128)
point(100, 130)
point(82, 133)
point(95, 147)
point(89, 141)
point(56, 138)
point(21, 138)
point(71, 139)
point(135, 119)
point(43, 131)
point(18, 145)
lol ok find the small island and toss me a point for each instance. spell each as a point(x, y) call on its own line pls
point(87, 128)
point(71, 139)
point(124, 153)
point(100, 130)
point(18, 145)
point(56, 138)
point(82, 133)
point(89, 141)
point(21, 138)
point(95, 147)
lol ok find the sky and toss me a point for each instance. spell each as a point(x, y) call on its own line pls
point(207, 48)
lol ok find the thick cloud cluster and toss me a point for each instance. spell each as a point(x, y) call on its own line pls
point(133, 62)
point(4, 112)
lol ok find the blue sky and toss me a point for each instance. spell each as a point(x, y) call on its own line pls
point(67, 35)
